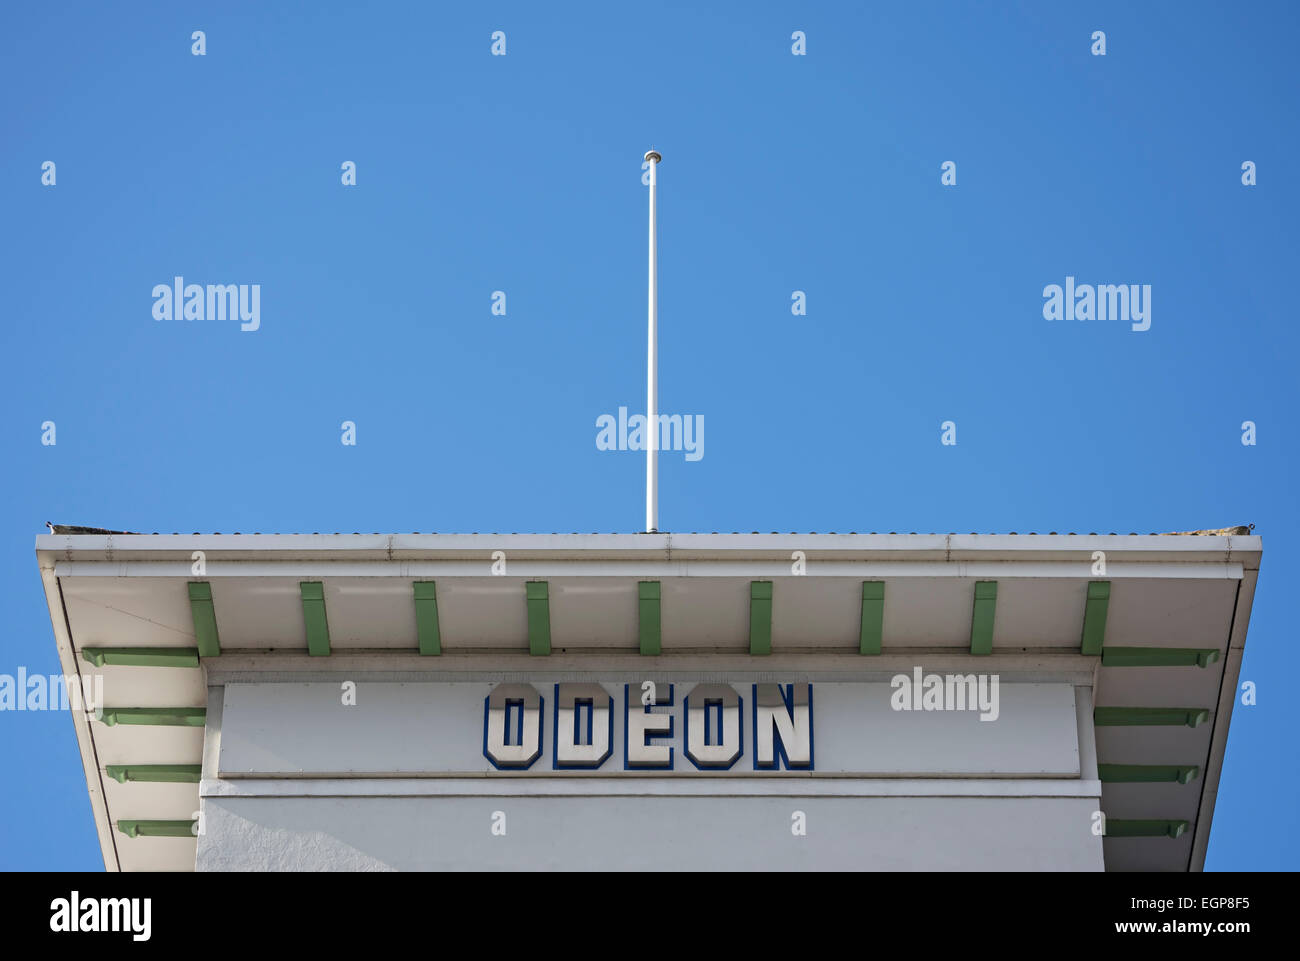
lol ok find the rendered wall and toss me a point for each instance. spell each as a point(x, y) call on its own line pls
point(648, 833)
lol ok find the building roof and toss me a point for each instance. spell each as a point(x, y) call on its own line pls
point(1173, 616)
point(1241, 529)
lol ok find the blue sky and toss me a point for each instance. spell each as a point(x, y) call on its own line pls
point(522, 173)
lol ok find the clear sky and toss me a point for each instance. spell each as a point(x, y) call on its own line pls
point(521, 173)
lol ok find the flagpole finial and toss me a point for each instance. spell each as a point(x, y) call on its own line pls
point(654, 155)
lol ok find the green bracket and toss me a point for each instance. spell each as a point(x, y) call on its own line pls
point(155, 773)
point(155, 716)
point(981, 621)
point(872, 627)
point(426, 617)
point(1147, 773)
point(1149, 716)
point(205, 618)
point(142, 656)
point(1158, 656)
point(1144, 829)
point(537, 597)
point(157, 829)
point(1094, 617)
point(760, 617)
point(648, 616)
point(313, 615)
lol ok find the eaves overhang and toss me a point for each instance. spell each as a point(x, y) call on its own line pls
point(1158, 620)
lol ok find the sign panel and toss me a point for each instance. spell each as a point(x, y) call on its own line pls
point(640, 728)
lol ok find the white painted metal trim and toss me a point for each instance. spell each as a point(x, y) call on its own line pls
point(81, 722)
point(219, 567)
point(633, 546)
point(696, 786)
point(703, 667)
point(1222, 718)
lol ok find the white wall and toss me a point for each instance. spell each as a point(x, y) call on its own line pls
point(648, 833)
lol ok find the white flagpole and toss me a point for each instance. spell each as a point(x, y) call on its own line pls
point(652, 374)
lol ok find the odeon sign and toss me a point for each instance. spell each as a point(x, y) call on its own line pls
point(713, 721)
